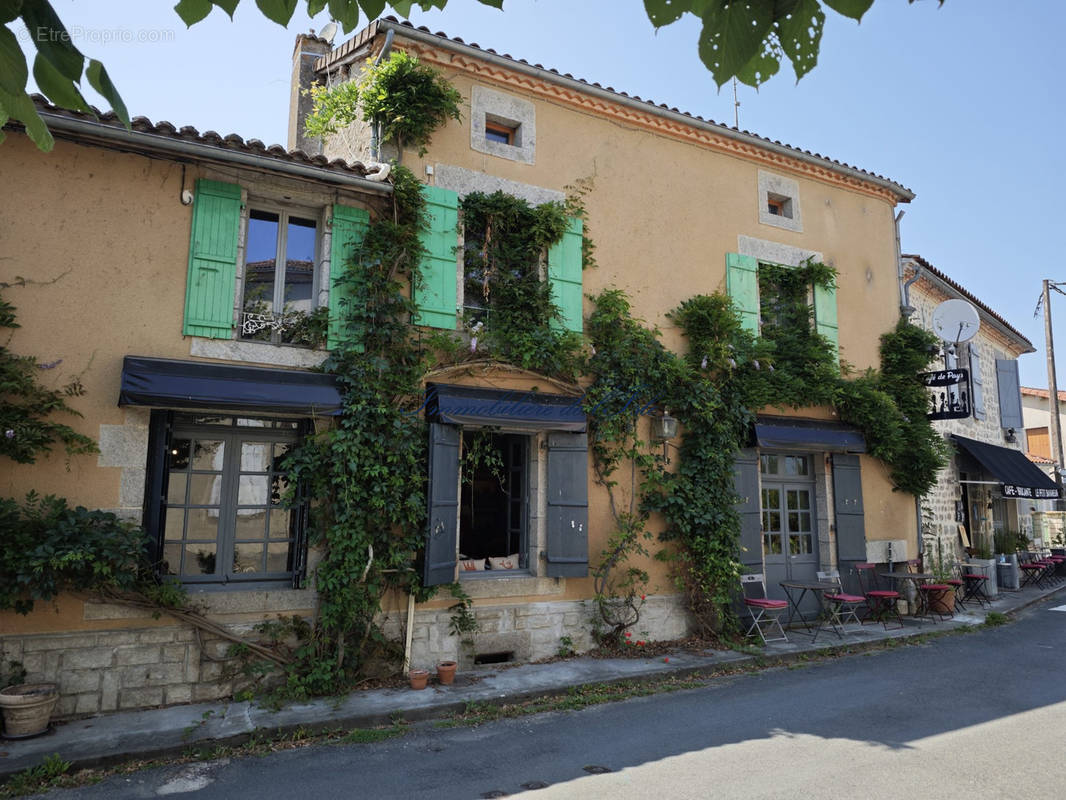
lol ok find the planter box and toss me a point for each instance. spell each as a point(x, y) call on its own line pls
point(1008, 574)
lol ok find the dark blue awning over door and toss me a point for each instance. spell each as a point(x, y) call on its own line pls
point(170, 383)
point(786, 433)
point(514, 410)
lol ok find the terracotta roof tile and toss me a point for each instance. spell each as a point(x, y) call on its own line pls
point(1042, 393)
point(231, 141)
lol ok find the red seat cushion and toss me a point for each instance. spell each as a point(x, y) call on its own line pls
point(883, 593)
point(1025, 566)
point(845, 598)
point(953, 582)
point(765, 603)
point(934, 587)
point(975, 577)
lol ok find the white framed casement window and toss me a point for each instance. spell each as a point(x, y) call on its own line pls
point(280, 280)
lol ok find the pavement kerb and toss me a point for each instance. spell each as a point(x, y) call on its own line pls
point(170, 732)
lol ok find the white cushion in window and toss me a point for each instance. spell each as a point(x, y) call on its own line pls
point(472, 565)
point(504, 562)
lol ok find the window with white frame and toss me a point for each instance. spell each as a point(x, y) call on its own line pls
point(280, 261)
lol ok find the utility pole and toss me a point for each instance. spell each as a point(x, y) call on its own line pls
point(1053, 386)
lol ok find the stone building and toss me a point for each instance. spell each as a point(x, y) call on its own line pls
point(989, 485)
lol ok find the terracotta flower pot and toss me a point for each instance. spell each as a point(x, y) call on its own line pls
point(942, 601)
point(418, 678)
point(27, 708)
point(446, 672)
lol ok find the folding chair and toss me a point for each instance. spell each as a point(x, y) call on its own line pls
point(975, 587)
point(883, 603)
point(765, 613)
point(841, 606)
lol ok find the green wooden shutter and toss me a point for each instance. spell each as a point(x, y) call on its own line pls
point(825, 315)
point(564, 276)
point(436, 296)
point(742, 285)
point(349, 227)
point(216, 222)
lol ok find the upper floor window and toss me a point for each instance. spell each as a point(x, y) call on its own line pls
point(503, 125)
point(779, 202)
point(279, 278)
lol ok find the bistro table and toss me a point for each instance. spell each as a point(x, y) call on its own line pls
point(795, 591)
point(919, 579)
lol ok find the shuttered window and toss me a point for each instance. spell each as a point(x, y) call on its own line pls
point(349, 228)
point(976, 383)
point(442, 526)
point(212, 278)
point(568, 505)
point(436, 296)
point(564, 276)
point(1010, 393)
point(742, 285)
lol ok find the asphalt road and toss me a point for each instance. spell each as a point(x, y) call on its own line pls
point(976, 716)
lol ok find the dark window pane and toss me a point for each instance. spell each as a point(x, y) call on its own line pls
point(279, 557)
point(279, 524)
point(251, 525)
point(248, 558)
point(205, 490)
point(176, 489)
point(208, 455)
point(299, 265)
point(178, 457)
point(200, 559)
point(172, 558)
point(202, 524)
point(260, 265)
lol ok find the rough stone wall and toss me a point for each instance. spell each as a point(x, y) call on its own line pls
point(121, 670)
point(942, 498)
point(530, 631)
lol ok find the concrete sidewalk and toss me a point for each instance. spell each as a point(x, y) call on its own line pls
point(113, 738)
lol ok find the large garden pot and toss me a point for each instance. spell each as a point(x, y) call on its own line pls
point(27, 708)
point(942, 601)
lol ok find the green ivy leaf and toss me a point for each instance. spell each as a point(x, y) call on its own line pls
point(13, 71)
point(850, 8)
point(664, 12)
point(800, 35)
point(732, 36)
point(192, 11)
point(229, 6)
point(764, 66)
point(52, 39)
point(346, 12)
point(279, 11)
point(20, 108)
point(493, 3)
point(314, 7)
point(101, 81)
point(59, 90)
point(372, 8)
point(402, 7)
point(10, 10)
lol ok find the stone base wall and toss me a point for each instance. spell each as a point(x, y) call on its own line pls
point(529, 631)
point(120, 670)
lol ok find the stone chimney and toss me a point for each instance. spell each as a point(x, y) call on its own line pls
point(308, 49)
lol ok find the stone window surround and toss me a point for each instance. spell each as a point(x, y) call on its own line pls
point(785, 191)
point(508, 111)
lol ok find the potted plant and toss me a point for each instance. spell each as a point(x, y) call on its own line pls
point(446, 672)
point(418, 678)
point(27, 708)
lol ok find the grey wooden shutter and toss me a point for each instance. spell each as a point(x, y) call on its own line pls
point(976, 383)
point(157, 477)
point(746, 484)
point(442, 526)
point(568, 505)
point(850, 521)
point(1010, 393)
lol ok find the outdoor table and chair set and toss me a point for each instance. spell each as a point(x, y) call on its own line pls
point(836, 607)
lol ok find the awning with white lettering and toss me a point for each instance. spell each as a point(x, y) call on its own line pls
point(1019, 477)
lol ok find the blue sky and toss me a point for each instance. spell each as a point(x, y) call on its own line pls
point(963, 104)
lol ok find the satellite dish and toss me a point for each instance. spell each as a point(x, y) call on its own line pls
point(329, 32)
point(955, 321)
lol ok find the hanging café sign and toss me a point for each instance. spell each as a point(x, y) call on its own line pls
point(949, 393)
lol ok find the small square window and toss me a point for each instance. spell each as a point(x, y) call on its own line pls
point(498, 132)
point(779, 205)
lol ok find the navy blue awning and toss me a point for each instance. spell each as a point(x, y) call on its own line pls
point(1019, 477)
point(168, 383)
point(786, 433)
point(514, 410)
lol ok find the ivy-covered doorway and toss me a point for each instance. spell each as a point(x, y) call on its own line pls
point(789, 520)
point(493, 501)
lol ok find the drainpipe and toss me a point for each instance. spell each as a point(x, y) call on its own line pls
point(375, 127)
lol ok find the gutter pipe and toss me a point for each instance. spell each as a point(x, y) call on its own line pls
point(138, 140)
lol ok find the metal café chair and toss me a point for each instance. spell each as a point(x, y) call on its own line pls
point(765, 612)
point(882, 603)
point(841, 606)
point(975, 586)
